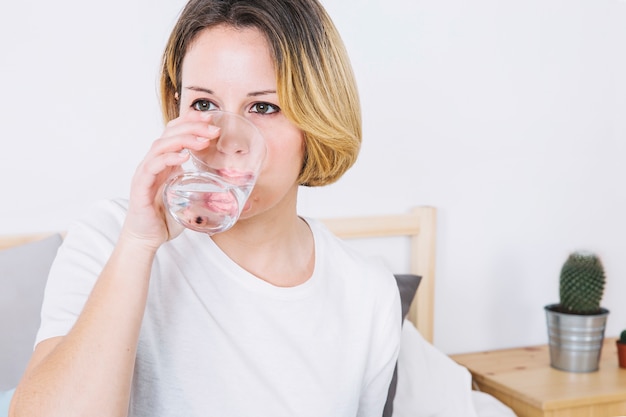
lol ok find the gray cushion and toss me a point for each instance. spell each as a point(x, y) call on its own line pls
point(407, 285)
point(23, 275)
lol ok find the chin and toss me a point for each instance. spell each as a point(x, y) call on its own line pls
point(248, 209)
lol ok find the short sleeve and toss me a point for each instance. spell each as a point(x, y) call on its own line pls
point(385, 347)
point(86, 248)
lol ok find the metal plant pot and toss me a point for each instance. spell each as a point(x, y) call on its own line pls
point(575, 340)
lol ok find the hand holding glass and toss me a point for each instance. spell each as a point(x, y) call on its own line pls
point(211, 192)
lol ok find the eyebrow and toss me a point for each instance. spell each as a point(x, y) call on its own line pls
point(252, 94)
point(261, 93)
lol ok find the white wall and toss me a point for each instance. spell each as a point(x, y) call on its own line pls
point(507, 116)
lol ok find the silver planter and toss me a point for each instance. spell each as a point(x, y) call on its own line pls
point(575, 340)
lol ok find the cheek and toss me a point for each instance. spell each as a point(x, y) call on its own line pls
point(285, 153)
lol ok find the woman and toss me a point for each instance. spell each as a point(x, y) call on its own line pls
point(274, 317)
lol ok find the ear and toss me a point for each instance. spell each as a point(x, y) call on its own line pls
point(176, 97)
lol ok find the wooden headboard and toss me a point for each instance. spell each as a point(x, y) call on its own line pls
point(419, 225)
point(14, 240)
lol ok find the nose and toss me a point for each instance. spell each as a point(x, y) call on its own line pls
point(233, 140)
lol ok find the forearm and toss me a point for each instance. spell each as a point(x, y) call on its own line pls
point(89, 372)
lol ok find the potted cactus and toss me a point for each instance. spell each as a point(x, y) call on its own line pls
point(576, 324)
point(621, 349)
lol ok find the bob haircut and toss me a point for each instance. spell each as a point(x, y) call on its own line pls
point(316, 86)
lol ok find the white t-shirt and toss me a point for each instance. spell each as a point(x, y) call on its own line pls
point(218, 341)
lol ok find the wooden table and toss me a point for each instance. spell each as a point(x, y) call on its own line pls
point(523, 379)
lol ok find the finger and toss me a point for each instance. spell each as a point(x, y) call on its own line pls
point(150, 168)
point(197, 128)
point(186, 135)
point(173, 227)
point(175, 142)
point(198, 119)
point(151, 172)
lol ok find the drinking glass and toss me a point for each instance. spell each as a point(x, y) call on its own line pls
point(210, 193)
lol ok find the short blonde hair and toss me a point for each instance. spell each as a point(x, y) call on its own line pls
point(316, 86)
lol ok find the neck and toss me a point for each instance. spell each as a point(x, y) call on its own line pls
point(276, 246)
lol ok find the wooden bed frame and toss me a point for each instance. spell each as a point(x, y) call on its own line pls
point(419, 225)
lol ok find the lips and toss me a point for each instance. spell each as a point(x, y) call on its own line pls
point(221, 203)
point(236, 177)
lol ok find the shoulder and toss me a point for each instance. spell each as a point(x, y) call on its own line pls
point(99, 225)
point(105, 215)
point(339, 258)
point(328, 244)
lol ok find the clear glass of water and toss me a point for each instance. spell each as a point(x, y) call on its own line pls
point(211, 191)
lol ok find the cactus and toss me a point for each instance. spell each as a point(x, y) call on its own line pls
point(622, 337)
point(581, 284)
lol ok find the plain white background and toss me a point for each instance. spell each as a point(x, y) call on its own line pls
point(509, 117)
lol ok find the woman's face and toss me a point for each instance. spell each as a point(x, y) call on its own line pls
point(232, 70)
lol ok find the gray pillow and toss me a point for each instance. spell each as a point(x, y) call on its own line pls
point(407, 285)
point(23, 275)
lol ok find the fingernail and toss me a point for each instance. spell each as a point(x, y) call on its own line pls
point(201, 139)
point(213, 129)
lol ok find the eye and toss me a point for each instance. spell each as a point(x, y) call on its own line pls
point(203, 105)
point(264, 108)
